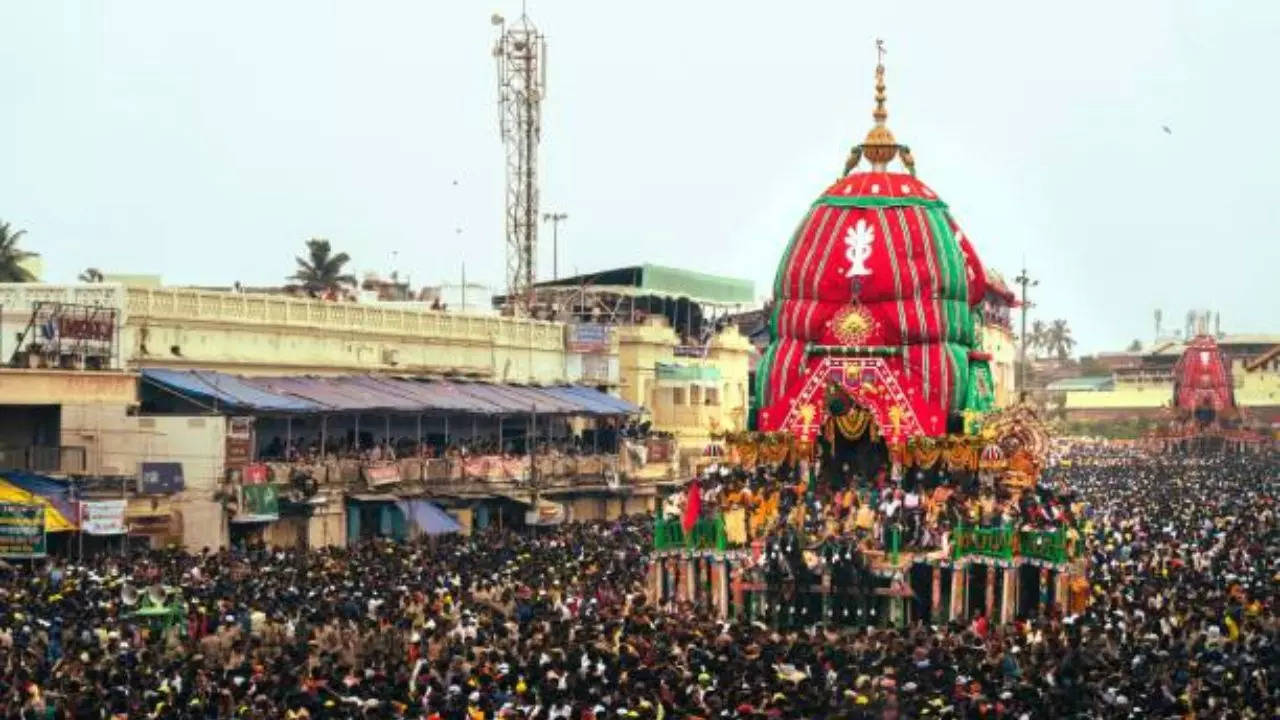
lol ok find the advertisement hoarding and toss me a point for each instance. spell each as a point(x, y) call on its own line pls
point(22, 531)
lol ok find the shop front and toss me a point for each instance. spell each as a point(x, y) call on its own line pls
point(375, 515)
point(152, 522)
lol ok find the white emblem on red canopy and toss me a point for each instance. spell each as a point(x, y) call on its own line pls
point(858, 248)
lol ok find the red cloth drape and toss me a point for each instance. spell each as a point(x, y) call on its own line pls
point(692, 506)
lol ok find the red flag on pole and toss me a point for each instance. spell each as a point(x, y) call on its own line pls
point(692, 506)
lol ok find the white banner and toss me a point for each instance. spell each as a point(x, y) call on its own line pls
point(546, 513)
point(102, 517)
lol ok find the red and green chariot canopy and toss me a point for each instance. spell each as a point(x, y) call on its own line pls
point(878, 291)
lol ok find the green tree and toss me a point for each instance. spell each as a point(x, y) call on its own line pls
point(12, 257)
point(1058, 340)
point(321, 270)
point(1036, 337)
point(1091, 366)
point(91, 275)
point(1135, 346)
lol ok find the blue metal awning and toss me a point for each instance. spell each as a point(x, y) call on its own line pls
point(306, 394)
point(594, 401)
point(608, 404)
point(228, 390)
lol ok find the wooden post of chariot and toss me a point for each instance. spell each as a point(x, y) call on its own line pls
point(720, 581)
point(690, 579)
point(1009, 595)
point(990, 604)
point(936, 613)
point(959, 585)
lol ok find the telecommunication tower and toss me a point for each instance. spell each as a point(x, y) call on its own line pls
point(521, 52)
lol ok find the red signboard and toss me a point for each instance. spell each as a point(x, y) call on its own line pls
point(80, 328)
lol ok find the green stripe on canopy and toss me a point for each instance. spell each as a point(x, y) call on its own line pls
point(876, 201)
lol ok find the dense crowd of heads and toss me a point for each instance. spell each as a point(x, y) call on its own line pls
point(1184, 559)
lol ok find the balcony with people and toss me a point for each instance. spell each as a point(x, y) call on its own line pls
point(361, 434)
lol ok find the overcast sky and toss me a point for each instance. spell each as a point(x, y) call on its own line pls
point(207, 141)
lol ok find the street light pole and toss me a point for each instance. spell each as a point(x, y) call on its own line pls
point(1024, 280)
point(555, 218)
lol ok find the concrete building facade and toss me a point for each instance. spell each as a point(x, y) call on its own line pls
point(691, 395)
point(93, 418)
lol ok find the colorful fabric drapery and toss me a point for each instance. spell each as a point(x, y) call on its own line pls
point(854, 425)
point(735, 526)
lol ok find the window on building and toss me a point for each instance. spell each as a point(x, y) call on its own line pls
point(678, 396)
point(695, 395)
point(713, 396)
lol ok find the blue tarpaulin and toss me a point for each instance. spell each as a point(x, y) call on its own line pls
point(429, 518)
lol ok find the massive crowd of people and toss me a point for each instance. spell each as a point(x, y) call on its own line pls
point(1185, 565)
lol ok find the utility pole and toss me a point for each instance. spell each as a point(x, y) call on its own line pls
point(1024, 280)
point(555, 218)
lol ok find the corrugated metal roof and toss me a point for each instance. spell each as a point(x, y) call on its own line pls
point(609, 405)
point(337, 393)
point(679, 371)
point(435, 395)
point(513, 399)
point(593, 401)
point(369, 393)
point(1100, 382)
point(664, 281)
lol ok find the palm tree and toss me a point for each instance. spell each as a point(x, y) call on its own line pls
point(12, 258)
point(91, 275)
point(321, 272)
point(1035, 339)
point(1058, 340)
